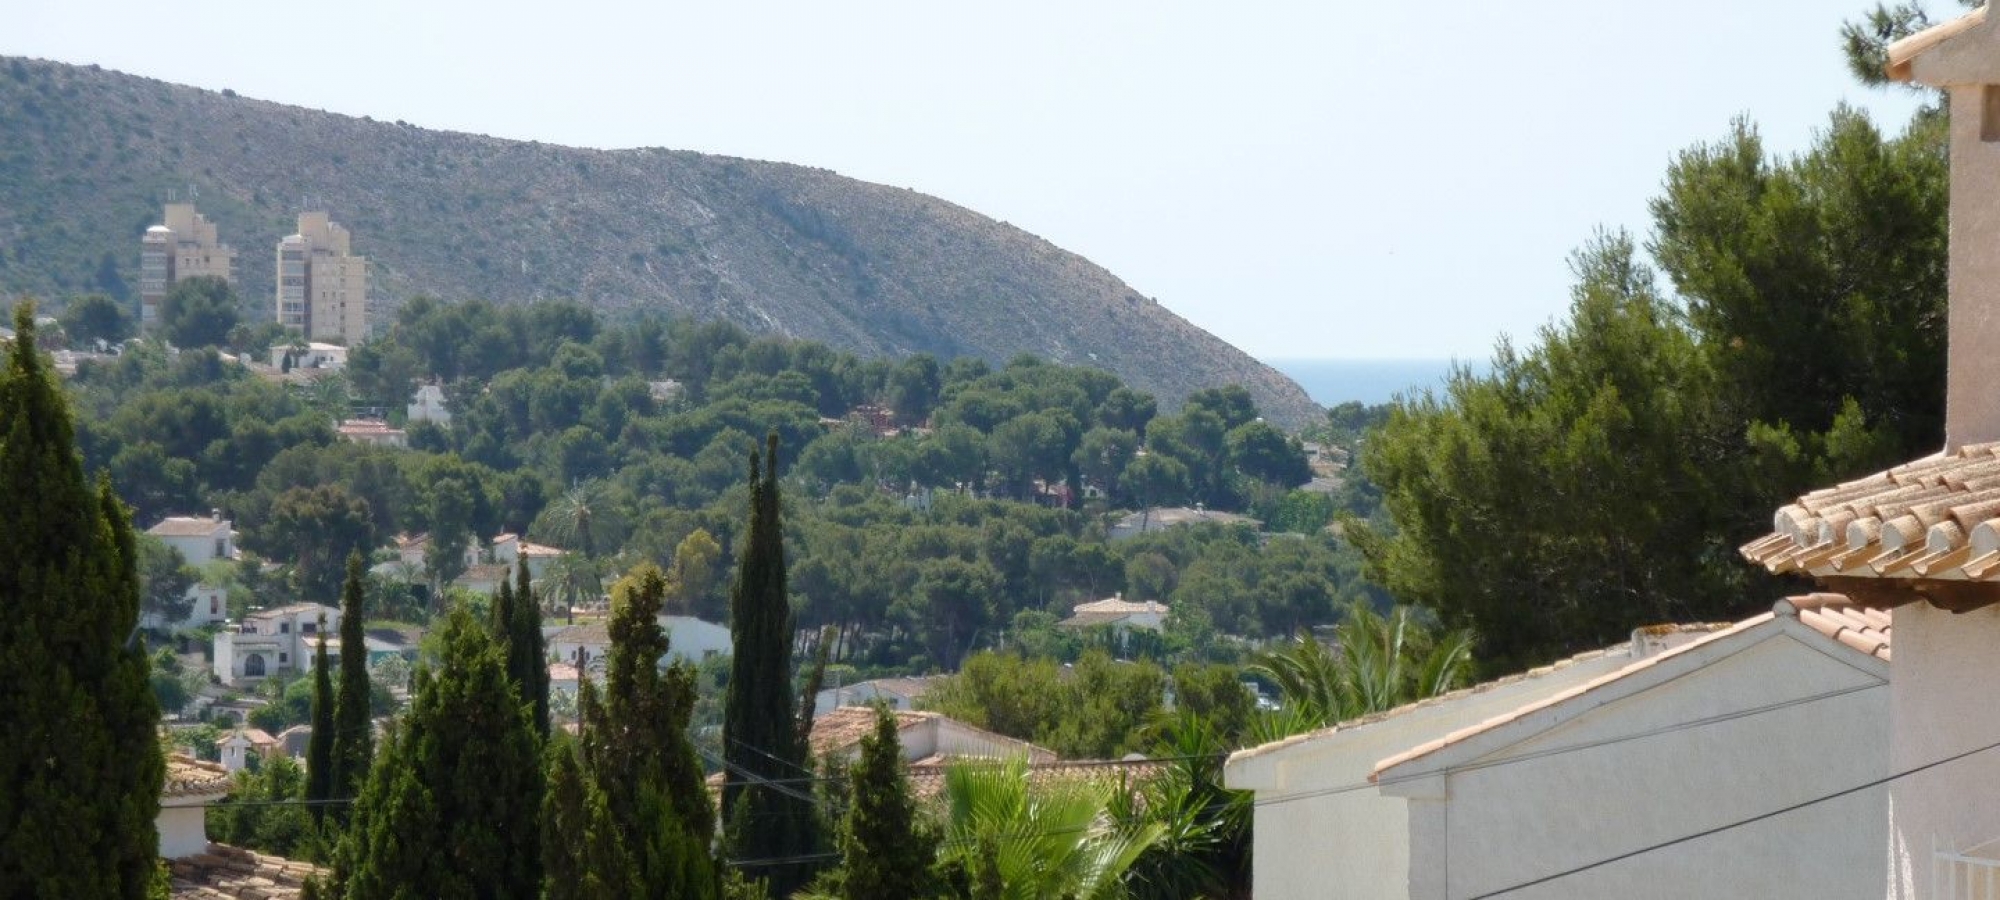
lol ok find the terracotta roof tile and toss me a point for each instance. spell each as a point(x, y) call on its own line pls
point(186, 526)
point(190, 777)
point(1937, 517)
point(846, 726)
point(223, 872)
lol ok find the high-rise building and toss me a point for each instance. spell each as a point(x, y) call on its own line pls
point(183, 246)
point(322, 285)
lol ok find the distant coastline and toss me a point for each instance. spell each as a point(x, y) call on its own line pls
point(1370, 381)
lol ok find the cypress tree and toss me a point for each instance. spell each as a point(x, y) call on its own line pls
point(527, 654)
point(636, 747)
point(452, 809)
point(884, 854)
point(353, 730)
point(761, 739)
point(80, 766)
point(500, 616)
point(583, 854)
point(319, 747)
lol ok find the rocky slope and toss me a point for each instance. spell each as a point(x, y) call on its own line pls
point(87, 155)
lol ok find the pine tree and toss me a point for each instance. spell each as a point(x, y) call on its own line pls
point(527, 655)
point(884, 854)
point(80, 766)
point(761, 739)
point(636, 747)
point(353, 729)
point(583, 854)
point(452, 808)
point(319, 747)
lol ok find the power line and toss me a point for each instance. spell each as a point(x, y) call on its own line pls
point(1738, 823)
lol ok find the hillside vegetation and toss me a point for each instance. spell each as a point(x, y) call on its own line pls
point(87, 156)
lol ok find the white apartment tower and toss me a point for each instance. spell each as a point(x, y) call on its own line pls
point(184, 245)
point(322, 286)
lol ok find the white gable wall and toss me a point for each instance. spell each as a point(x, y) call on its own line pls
point(1315, 841)
point(1497, 825)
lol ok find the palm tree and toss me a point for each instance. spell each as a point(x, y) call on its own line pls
point(1382, 662)
point(577, 521)
point(1204, 845)
point(573, 580)
point(1045, 842)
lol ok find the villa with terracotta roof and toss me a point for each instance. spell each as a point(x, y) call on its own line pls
point(926, 737)
point(1681, 729)
point(899, 693)
point(1923, 538)
point(373, 432)
point(1119, 614)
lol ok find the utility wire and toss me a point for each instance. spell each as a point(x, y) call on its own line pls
point(1738, 823)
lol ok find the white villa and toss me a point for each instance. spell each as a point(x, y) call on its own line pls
point(373, 432)
point(200, 540)
point(1119, 613)
point(271, 641)
point(585, 645)
point(1681, 730)
point(314, 355)
point(924, 736)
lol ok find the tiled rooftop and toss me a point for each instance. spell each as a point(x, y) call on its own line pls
point(846, 726)
point(1936, 518)
point(189, 777)
point(233, 873)
point(187, 526)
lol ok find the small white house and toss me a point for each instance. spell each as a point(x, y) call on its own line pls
point(428, 406)
point(1119, 614)
point(313, 355)
point(236, 748)
point(509, 549)
point(190, 786)
point(271, 641)
point(373, 432)
point(200, 540)
point(688, 640)
point(1147, 521)
point(1488, 789)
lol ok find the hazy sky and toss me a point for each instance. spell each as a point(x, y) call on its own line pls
point(1304, 179)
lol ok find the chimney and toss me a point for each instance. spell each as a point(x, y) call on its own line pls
point(1963, 58)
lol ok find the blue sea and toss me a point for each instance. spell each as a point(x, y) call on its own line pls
point(1371, 381)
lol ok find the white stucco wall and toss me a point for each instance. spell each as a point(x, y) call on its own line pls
point(1544, 812)
point(183, 826)
point(1943, 682)
point(1313, 841)
point(693, 639)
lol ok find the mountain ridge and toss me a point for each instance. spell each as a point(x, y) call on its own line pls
point(777, 248)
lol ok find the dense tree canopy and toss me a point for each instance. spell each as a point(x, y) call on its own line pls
point(1598, 479)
